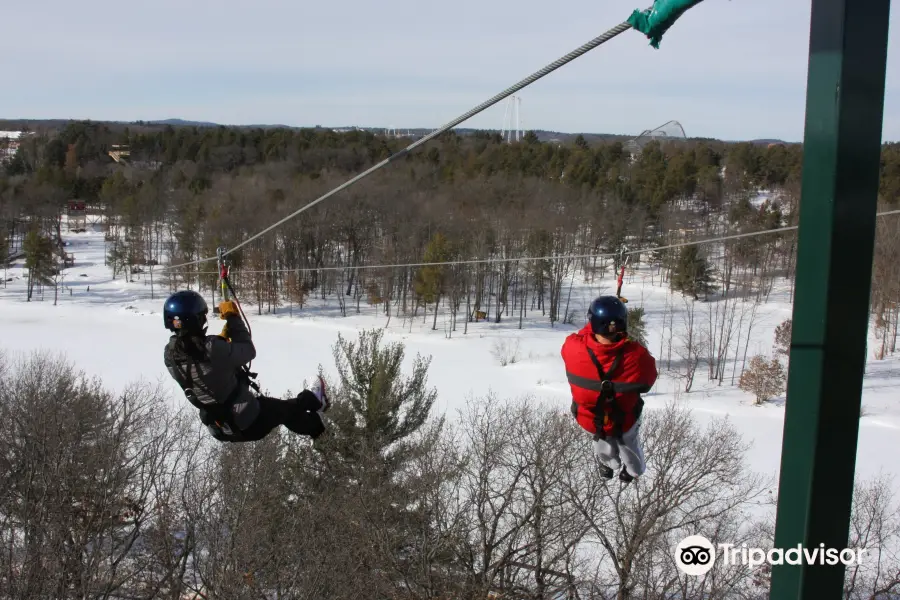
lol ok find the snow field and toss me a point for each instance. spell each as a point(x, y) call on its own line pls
point(113, 329)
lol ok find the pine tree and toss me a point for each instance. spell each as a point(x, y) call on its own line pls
point(38, 260)
point(117, 256)
point(636, 325)
point(430, 282)
point(4, 254)
point(692, 274)
point(376, 410)
point(368, 473)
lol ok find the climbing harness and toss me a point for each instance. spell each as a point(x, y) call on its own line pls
point(216, 416)
point(606, 409)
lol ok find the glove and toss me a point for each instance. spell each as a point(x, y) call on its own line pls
point(227, 308)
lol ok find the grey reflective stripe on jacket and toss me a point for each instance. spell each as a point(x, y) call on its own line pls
point(215, 379)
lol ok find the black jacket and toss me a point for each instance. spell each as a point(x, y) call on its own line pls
point(212, 373)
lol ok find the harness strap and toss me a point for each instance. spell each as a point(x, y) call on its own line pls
point(220, 413)
point(606, 399)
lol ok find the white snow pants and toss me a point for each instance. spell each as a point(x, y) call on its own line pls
point(613, 452)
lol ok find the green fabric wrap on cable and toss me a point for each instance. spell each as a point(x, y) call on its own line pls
point(654, 22)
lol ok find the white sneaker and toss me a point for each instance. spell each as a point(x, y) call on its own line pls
point(316, 385)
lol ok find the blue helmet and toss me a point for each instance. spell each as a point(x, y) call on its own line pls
point(185, 313)
point(608, 316)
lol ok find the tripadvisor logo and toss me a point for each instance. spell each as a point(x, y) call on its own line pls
point(695, 555)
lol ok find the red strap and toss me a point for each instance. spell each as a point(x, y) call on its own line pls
point(621, 277)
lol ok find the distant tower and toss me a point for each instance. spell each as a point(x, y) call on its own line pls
point(512, 120)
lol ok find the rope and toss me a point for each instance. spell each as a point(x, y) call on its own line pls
point(475, 261)
point(481, 107)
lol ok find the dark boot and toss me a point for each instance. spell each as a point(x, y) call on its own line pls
point(605, 472)
point(313, 397)
point(624, 477)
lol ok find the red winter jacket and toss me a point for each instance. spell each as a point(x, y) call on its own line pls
point(637, 366)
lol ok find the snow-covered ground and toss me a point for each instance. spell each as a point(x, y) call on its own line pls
point(113, 329)
point(9, 143)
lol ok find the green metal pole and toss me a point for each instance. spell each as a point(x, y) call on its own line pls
point(842, 148)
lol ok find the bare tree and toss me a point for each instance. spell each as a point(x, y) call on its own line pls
point(86, 478)
point(751, 322)
point(763, 378)
point(487, 489)
point(783, 338)
point(696, 480)
point(263, 529)
point(544, 442)
point(693, 343)
point(875, 527)
point(874, 530)
point(886, 286)
point(516, 532)
point(506, 351)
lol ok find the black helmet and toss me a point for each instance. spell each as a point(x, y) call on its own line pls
point(185, 312)
point(608, 315)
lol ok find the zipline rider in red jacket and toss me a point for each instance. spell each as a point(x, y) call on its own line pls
point(608, 372)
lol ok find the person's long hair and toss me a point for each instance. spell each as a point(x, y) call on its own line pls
point(191, 343)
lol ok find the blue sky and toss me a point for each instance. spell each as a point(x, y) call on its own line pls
point(732, 69)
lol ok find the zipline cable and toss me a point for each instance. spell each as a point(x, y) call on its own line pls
point(618, 29)
point(475, 261)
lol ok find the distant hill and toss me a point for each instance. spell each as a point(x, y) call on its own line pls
point(767, 142)
point(182, 123)
point(411, 132)
point(32, 124)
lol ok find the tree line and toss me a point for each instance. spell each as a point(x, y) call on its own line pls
point(184, 191)
point(114, 495)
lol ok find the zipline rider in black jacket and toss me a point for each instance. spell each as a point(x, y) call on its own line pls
point(211, 371)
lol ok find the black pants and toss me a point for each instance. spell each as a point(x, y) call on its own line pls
point(299, 415)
